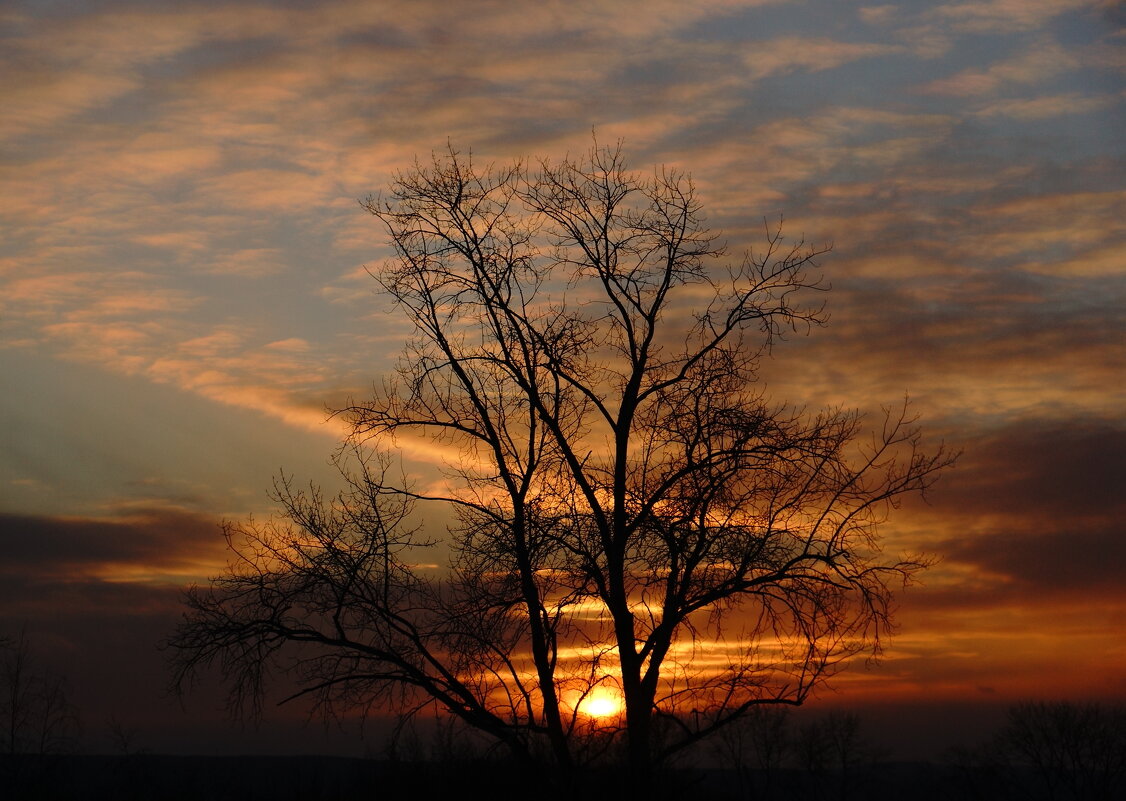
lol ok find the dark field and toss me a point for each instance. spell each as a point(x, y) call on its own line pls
point(187, 778)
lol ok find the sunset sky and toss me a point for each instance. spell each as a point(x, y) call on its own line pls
point(183, 289)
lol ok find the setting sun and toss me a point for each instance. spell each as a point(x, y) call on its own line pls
point(601, 704)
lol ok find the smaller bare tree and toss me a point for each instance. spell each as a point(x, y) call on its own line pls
point(35, 712)
point(836, 756)
point(757, 748)
point(1075, 751)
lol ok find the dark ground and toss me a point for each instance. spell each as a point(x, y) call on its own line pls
point(186, 778)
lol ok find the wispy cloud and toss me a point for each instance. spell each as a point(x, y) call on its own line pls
point(1038, 108)
point(1005, 16)
point(787, 54)
point(1039, 62)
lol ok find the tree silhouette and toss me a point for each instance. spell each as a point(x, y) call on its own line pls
point(757, 748)
point(630, 514)
point(1048, 751)
point(1073, 750)
point(36, 716)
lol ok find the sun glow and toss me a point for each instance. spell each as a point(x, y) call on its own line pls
point(601, 703)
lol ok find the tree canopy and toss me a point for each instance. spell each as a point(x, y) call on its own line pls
point(634, 520)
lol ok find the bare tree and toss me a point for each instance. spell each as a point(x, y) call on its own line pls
point(836, 757)
point(1048, 751)
point(1073, 750)
point(757, 749)
point(36, 716)
point(632, 516)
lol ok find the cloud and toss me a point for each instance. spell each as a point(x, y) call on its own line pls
point(1099, 262)
point(242, 136)
point(147, 545)
point(247, 262)
point(1046, 226)
point(787, 54)
point(1038, 108)
point(878, 15)
point(768, 167)
point(1044, 470)
point(1006, 16)
point(967, 346)
point(1046, 59)
point(269, 379)
point(153, 158)
point(37, 102)
point(1031, 516)
point(1045, 564)
point(290, 345)
point(275, 191)
point(1031, 586)
point(64, 66)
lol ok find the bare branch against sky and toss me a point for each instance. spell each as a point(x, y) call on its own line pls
point(639, 536)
